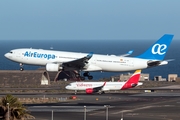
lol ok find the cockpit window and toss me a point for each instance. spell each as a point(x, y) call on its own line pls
point(11, 52)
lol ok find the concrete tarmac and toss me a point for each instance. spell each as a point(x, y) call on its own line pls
point(141, 106)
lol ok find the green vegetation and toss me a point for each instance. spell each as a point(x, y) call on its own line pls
point(12, 108)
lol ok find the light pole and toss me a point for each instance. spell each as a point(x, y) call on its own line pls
point(122, 116)
point(84, 112)
point(106, 106)
point(52, 115)
point(8, 110)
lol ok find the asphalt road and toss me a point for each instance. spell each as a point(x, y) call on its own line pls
point(142, 106)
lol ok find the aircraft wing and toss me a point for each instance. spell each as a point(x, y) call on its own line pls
point(99, 88)
point(78, 63)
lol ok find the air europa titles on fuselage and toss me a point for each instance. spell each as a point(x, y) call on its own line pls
point(39, 55)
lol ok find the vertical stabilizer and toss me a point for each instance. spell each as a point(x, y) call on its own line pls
point(133, 80)
point(158, 50)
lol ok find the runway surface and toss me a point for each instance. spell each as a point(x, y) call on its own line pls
point(149, 106)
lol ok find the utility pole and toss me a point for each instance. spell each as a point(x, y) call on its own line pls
point(84, 112)
point(122, 116)
point(8, 110)
point(107, 106)
point(52, 115)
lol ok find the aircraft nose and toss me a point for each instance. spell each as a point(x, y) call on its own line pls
point(67, 87)
point(7, 55)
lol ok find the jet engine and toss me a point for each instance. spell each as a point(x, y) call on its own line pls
point(53, 67)
point(91, 90)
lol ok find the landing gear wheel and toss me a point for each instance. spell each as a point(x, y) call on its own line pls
point(75, 92)
point(86, 74)
point(101, 92)
point(90, 77)
point(77, 75)
point(21, 69)
point(82, 78)
point(21, 66)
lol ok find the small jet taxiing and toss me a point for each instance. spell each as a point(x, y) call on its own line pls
point(101, 87)
point(67, 61)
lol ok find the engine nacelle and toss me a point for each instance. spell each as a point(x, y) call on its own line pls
point(90, 90)
point(52, 67)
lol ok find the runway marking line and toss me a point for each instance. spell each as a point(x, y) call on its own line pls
point(141, 108)
point(145, 106)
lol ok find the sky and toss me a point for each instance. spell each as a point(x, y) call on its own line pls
point(88, 19)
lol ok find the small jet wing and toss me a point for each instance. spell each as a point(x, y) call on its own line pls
point(127, 54)
point(78, 63)
point(99, 88)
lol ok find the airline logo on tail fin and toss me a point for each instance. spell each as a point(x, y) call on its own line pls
point(133, 80)
point(158, 50)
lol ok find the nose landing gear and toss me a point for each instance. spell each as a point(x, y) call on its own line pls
point(21, 67)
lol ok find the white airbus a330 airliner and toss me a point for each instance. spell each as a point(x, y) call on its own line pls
point(101, 87)
point(61, 60)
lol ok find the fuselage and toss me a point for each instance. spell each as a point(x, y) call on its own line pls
point(96, 63)
point(85, 85)
point(59, 60)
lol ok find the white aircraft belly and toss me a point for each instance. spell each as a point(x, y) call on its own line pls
point(33, 61)
point(96, 63)
point(115, 67)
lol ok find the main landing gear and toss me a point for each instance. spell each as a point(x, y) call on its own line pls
point(86, 74)
point(101, 92)
point(21, 67)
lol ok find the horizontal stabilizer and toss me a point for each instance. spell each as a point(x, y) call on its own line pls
point(156, 63)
